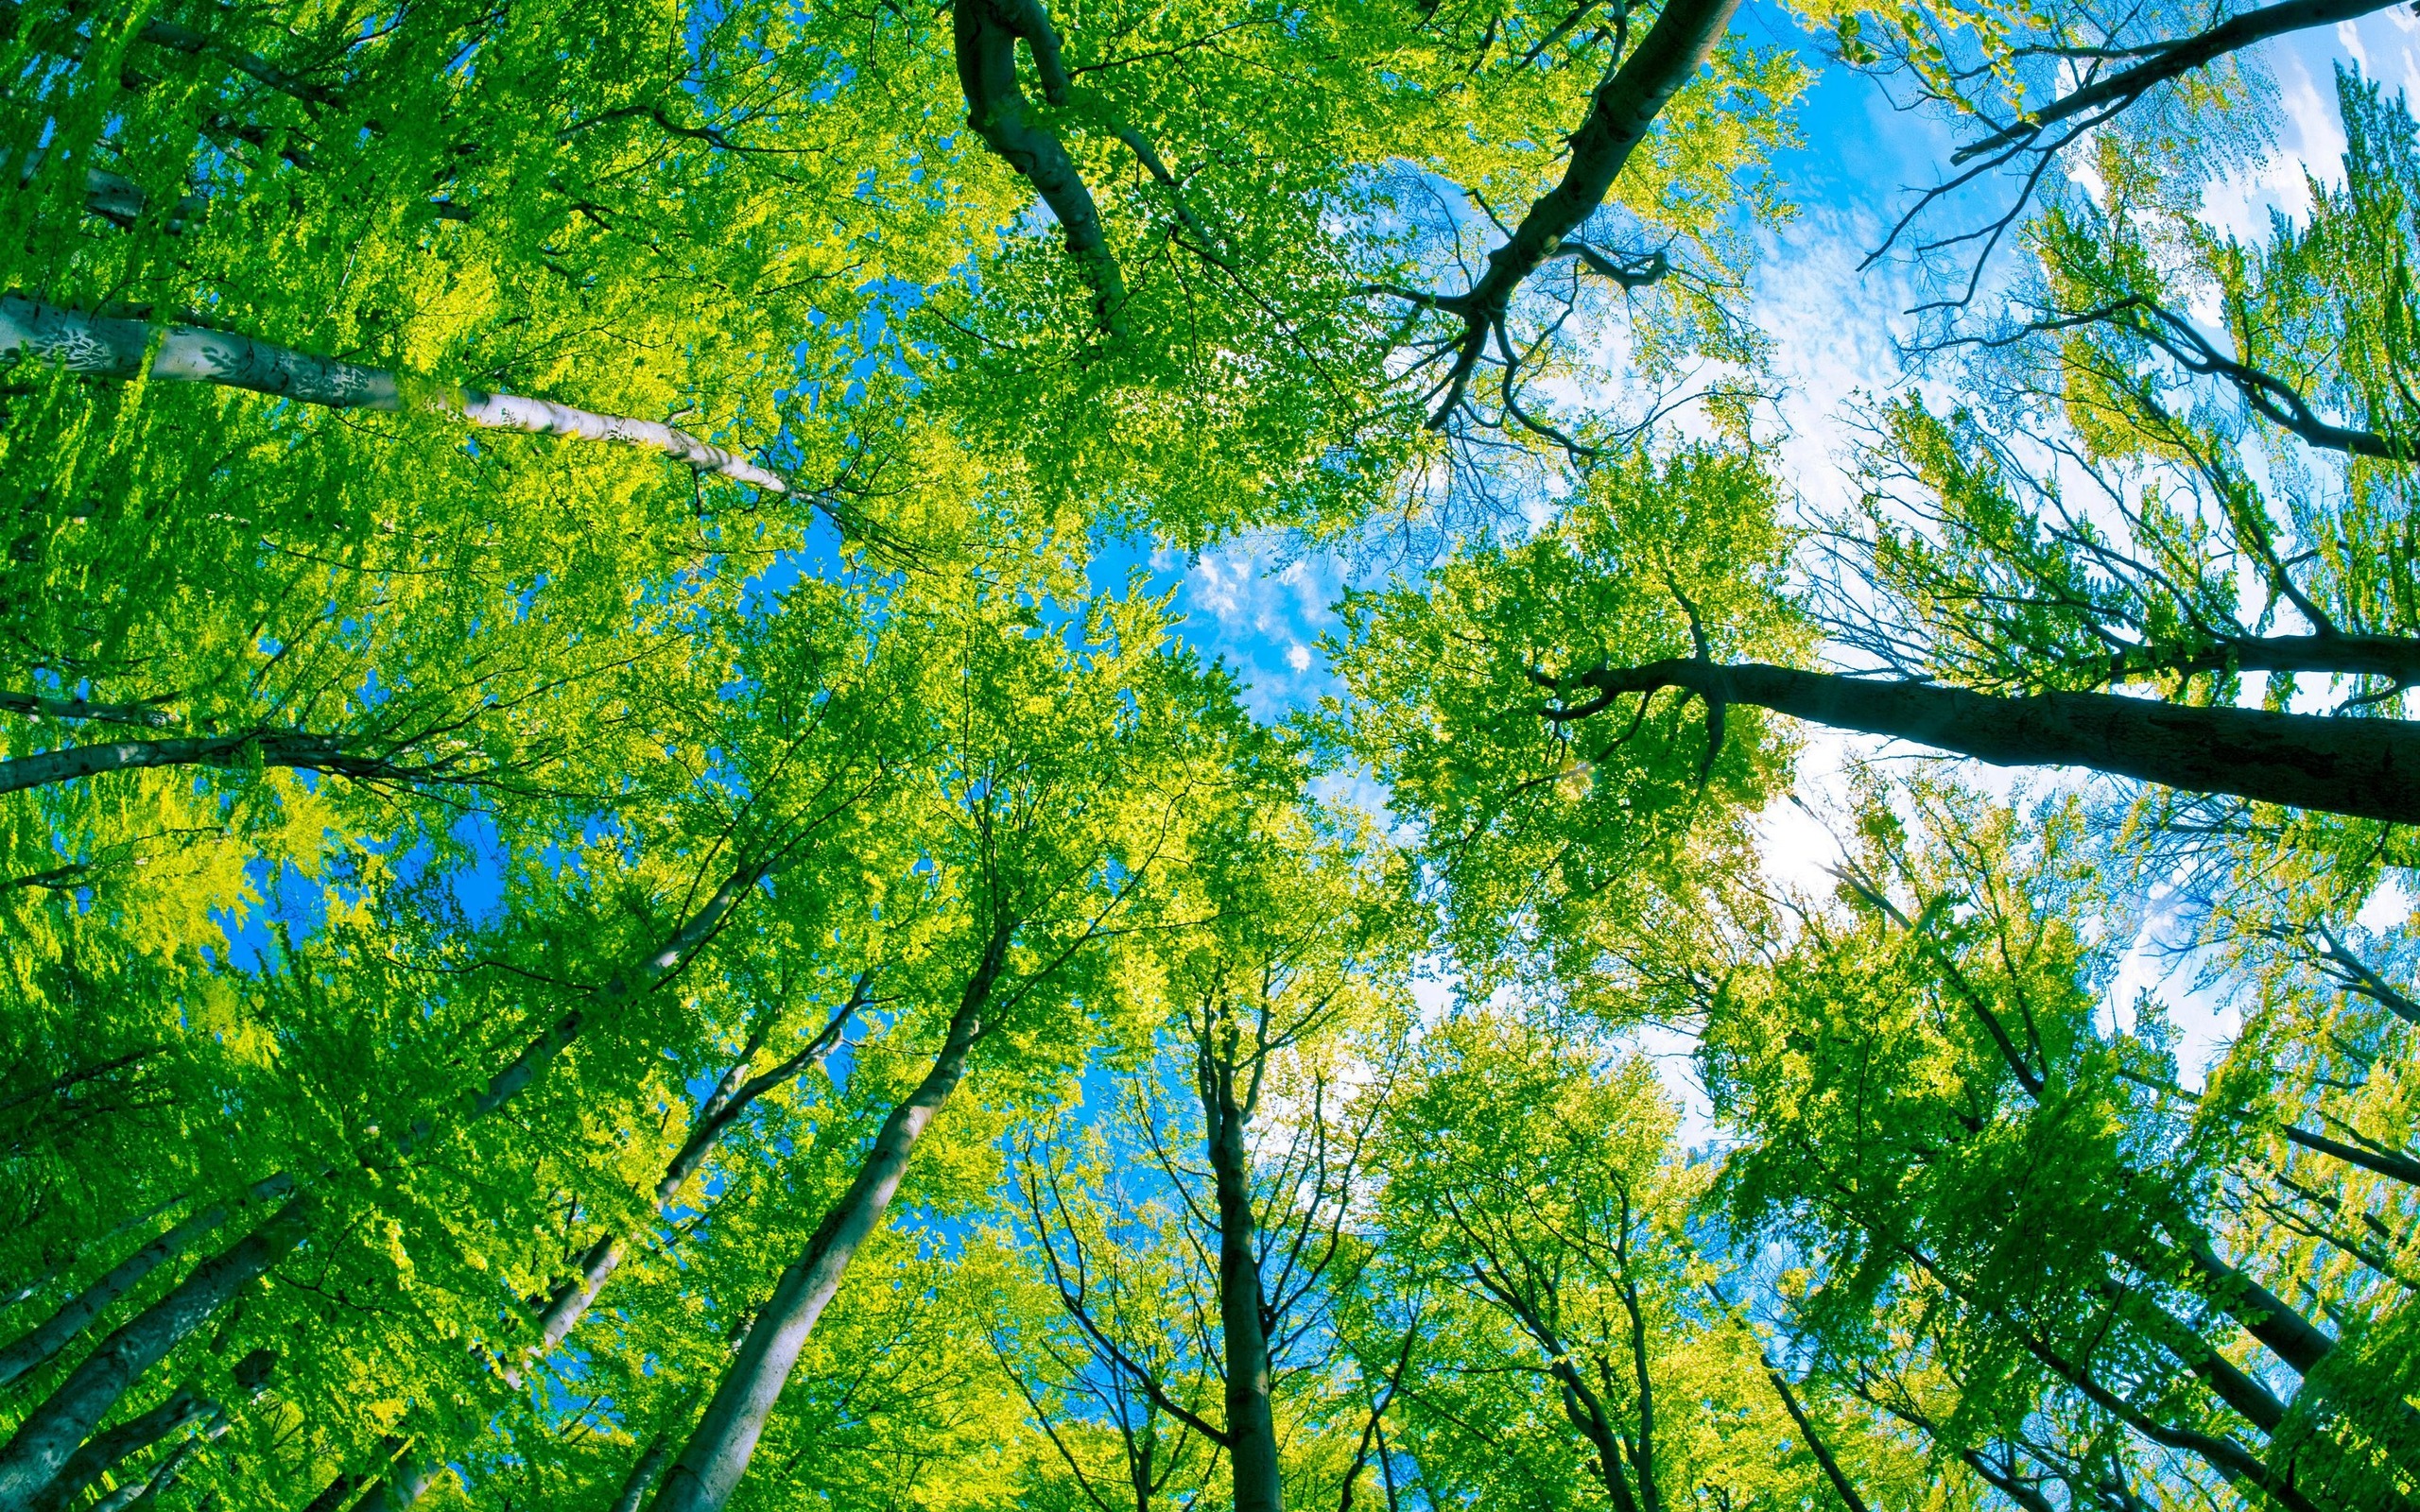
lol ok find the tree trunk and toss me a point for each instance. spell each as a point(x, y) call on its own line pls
point(113, 1447)
point(2369, 768)
point(406, 1481)
point(717, 1452)
point(730, 1097)
point(1814, 1441)
point(145, 1492)
point(1252, 1432)
point(2287, 1334)
point(49, 1434)
point(643, 1474)
point(332, 754)
point(40, 1344)
point(2385, 1162)
point(105, 348)
point(985, 35)
point(1622, 110)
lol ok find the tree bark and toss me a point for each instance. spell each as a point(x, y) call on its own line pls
point(717, 1454)
point(146, 1491)
point(730, 1099)
point(2375, 656)
point(1814, 1441)
point(49, 1434)
point(43, 1341)
point(2369, 768)
point(985, 33)
point(1251, 1430)
point(642, 1473)
point(316, 753)
point(2287, 1334)
point(1622, 111)
point(105, 348)
point(406, 1481)
point(112, 1448)
point(2385, 1162)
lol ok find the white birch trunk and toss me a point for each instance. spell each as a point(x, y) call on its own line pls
point(103, 347)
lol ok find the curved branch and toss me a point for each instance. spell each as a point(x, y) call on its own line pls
point(2174, 59)
point(985, 33)
point(1622, 111)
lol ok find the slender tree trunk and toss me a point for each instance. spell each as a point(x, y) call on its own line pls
point(105, 348)
point(732, 1096)
point(1814, 1441)
point(717, 1454)
point(1251, 1430)
point(42, 1342)
point(642, 1473)
point(406, 1481)
point(1651, 1490)
point(2385, 1162)
point(106, 1451)
point(2256, 1403)
point(51, 1433)
point(985, 37)
point(2366, 768)
point(1622, 110)
point(146, 1491)
point(333, 754)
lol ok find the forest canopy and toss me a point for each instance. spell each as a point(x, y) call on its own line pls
point(652, 858)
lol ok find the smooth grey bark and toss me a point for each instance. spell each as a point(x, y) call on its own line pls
point(26, 1290)
point(111, 1447)
point(1252, 1429)
point(146, 1491)
point(42, 706)
point(50, 1435)
point(105, 348)
point(717, 1452)
point(333, 754)
point(47, 1436)
point(2369, 768)
point(406, 1481)
point(642, 1477)
point(43, 1341)
point(106, 1450)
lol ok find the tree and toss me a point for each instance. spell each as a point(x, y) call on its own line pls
point(1533, 1193)
point(1059, 782)
point(1185, 1275)
point(2007, 1238)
